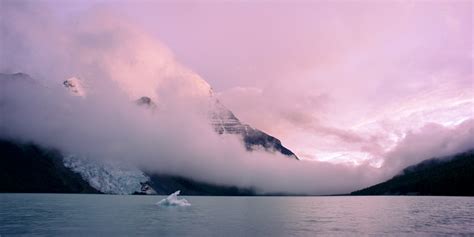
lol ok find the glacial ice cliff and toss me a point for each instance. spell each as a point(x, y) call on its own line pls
point(118, 178)
point(111, 178)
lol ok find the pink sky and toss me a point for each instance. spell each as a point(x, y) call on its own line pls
point(339, 81)
point(334, 80)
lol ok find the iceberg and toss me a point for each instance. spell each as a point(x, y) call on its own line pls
point(173, 200)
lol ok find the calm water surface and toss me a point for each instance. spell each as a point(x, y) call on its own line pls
point(107, 215)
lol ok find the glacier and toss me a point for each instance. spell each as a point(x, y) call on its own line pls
point(109, 177)
point(113, 178)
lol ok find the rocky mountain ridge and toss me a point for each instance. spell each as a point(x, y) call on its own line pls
point(115, 178)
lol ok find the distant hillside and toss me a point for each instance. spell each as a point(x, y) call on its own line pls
point(447, 176)
point(32, 168)
point(27, 168)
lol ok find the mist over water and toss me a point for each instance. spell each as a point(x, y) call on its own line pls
point(119, 62)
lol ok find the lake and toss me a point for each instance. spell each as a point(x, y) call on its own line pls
point(109, 215)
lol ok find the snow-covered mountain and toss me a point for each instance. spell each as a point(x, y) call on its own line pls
point(222, 119)
point(75, 86)
point(116, 178)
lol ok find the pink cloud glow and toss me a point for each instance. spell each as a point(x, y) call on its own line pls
point(367, 83)
point(326, 77)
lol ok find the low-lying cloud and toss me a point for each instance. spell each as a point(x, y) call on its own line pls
point(119, 63)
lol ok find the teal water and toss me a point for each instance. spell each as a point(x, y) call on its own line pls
point(110, 215)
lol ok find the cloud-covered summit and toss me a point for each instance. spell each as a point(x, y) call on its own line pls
point(362, 106)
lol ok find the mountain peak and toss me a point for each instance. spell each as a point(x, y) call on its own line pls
point(76, 86)
point(146, 101)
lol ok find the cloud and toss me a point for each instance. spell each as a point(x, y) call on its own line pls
point(110, 57)
point(106, 125)
point(351, 64)
point(430, 141)
point(319, 108)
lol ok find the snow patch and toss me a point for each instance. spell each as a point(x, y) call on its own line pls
point(76, 86)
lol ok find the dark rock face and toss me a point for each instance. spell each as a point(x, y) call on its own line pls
point(27, 168)
point(145, 189)
point(450, 176)
point(68, 84)
point(254, 137)
point(224, 121)
point(75, 86)
point(145, 101)
point(31, 168)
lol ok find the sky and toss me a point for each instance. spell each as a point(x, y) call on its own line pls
point(334, 80)
point(357, 89)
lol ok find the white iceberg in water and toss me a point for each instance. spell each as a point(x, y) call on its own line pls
point(173, 200)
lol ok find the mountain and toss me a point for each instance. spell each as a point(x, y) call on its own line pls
point(447, 176)
point(32, 169)
point(224, 121)
point(58, 172)
point(75, 86)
